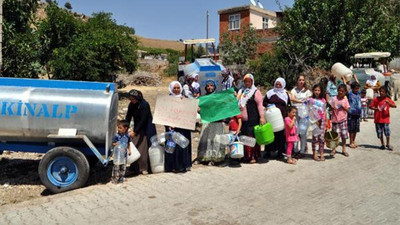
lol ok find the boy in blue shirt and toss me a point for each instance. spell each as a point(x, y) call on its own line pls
point(121, 149)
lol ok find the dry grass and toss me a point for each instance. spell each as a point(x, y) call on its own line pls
point(162, 44)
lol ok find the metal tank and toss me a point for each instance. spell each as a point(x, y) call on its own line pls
point(31, 109)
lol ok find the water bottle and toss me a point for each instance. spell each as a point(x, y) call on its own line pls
point(316, 131)
point(120, 153)
point(170, 146)
point(248, 141)
point(225, 139)
point(314, 115)
point(159, 138)
point(179, 139)
point(303, 125)
point(302, 111)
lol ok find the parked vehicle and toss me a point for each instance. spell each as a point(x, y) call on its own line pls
point(207, 67)
point(366, 64)
point(71, 122)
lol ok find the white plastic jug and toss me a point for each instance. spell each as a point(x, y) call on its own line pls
point(274, 117)
point(370, 93)
point(135, 154)
point(156, 155)
point(340, 70)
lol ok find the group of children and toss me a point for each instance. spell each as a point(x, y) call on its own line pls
point(345, 110)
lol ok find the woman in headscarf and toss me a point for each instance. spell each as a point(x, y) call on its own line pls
point(208, 150)
point(143, 129)
point(227, 81)
point(280, 98)
point(251, 106)
point(195, 85)
point(181, 159)
point(189, 90)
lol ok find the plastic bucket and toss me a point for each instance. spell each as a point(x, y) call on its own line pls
point(331, 139)
point(264, 134)
point(237, 150)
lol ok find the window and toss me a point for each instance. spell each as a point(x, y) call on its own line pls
point(234, 22)
point(265, 23)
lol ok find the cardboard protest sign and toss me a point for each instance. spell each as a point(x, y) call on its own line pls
point(218, 106)
point(176, 112)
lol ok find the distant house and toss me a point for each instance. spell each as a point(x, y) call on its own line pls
point(233, 20)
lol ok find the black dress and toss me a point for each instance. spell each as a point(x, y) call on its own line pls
point(144, 130)
point(280, 138)
point(181, 159)
point(248, 128)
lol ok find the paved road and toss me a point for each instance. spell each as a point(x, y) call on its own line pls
point(361, 189)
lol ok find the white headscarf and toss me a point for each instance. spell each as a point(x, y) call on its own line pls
point(195, 84)
point(171, 89)
point(245, 94)
point(280, 92)
point(371, 81)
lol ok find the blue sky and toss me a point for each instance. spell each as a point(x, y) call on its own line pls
point(167, 19)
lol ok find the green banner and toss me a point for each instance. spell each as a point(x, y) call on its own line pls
point(218, 106)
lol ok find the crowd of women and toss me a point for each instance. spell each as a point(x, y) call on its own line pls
point(337, 108)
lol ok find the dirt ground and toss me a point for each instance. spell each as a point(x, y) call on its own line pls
point(19, 178)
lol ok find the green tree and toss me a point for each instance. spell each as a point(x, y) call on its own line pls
point(68, 5)
point(57, 30)
point(200, 51)
point(237, 48)
point(102, 49)
point(322, 32)
point(20, 39)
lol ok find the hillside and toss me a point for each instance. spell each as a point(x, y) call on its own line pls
point(162, 44)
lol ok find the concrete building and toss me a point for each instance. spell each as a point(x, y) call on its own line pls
point(232, 21)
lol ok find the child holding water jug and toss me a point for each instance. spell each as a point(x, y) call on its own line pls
point(291, 133)
point(121, 149)
point(317, 107)
point(340, 107)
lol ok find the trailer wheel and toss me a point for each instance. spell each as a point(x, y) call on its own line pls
point(92, 160)
point(63, 169)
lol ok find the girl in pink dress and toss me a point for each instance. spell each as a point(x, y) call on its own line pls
point(291, 133)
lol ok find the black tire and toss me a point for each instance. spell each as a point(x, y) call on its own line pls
point(92, 160)
point(55, 158)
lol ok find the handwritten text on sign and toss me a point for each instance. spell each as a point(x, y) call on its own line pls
point(176, 112)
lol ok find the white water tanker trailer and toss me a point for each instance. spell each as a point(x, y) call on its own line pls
point(72, 122)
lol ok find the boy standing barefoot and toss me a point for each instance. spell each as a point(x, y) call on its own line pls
point(381, 107)
point(340, 107)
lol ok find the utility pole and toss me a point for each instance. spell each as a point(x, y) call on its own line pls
point(206, 32)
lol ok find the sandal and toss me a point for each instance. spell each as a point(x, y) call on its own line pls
point(333, 152)
point(389, 147)
point(352, 146)
point(345, 154)
point(382, 147)
point(322, 158)
point(253, 161)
